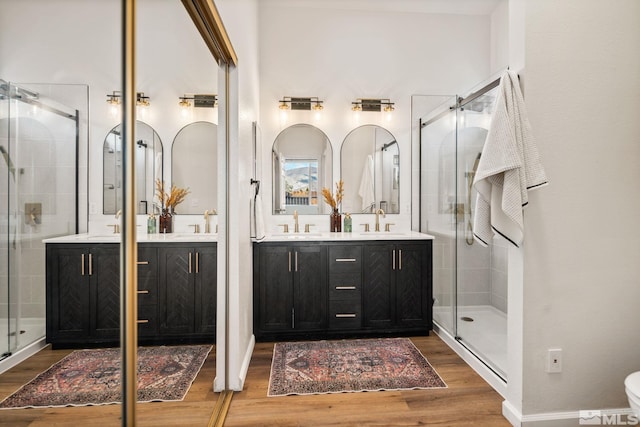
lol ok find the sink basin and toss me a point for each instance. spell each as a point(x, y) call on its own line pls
point(297, 236)
point(381, 234)
point(191, 237)
point(103, 237)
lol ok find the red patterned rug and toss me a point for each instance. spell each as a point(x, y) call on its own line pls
point(92, 377)
point(319, 367)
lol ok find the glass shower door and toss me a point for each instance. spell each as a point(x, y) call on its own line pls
point(38, 186)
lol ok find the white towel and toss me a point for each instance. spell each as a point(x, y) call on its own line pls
point(257, 218)
point(366, 185)
point(509, 167)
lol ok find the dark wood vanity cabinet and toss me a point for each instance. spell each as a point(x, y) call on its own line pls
point(355, 289)
point(188, 276)
point(174, 304)
point(291, 295)
point(397, 286)
point(83, 293)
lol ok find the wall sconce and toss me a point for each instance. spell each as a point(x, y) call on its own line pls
point(308, 104)
point(378, 105)
point(199, 101)
point(142, 100)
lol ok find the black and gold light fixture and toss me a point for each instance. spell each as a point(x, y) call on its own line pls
point(374, 105)
point(142, 100)
point(198, 101)
point(300, 103)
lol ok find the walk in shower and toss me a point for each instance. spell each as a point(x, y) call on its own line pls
point(470, 281)
point(39, 187)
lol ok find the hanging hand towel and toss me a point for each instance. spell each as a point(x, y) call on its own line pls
point(257, 218)
point(509, 167)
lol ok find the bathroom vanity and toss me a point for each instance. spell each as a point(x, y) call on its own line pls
point(342, 285)
point(177, 277)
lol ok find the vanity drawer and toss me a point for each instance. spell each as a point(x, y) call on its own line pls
point(147, 294)
point(345, 314)
point(345, 286)
point(345, 259)
point(147, 319)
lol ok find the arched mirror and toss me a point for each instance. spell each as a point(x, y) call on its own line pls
point(194, 156)
point(370, 169)
point(148, 167)
point(302, 165)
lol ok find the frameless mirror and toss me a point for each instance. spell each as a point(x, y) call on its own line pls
point(194, 156)
point(302, 165)
point(148, 167)
point(370, 169)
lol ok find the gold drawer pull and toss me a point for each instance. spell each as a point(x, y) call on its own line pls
point(143, 321)
point(143, 262)
point(345, 315)
point(345, 260)
point(345, 288)
point(143, 292)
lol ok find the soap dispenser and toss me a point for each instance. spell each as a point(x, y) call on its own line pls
point(347, 223)
point(151, 224)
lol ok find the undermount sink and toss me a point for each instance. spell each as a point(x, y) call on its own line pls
point(382, 233)
point(301, 236)
point(104, 237)
point(189, 237)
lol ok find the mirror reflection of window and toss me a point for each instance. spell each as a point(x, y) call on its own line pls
point(301, 166)
point(148, 166)
point(194, 156)
point(370, 169)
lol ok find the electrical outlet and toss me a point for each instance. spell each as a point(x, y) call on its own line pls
point(554, 360)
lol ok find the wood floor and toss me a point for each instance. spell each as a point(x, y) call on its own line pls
point(468, 400)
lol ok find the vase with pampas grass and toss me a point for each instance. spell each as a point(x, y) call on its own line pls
point(168, 202)
point(335, 218)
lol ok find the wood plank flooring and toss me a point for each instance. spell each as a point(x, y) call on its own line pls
point(468, 400)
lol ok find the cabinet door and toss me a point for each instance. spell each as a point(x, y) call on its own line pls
point(206, 289)
point(275, 293)
point(68, 296)
point(309, 287)
point(411, 289)
point(378, 286)
point(147, 291)
point(177, 266)
point(104, 269)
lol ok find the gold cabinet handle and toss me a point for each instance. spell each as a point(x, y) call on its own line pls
point(82, 262)
point(345, 315)
point(399, 259)
point(189, 262)
point(345, 288)
point(144, 291)
point(345, 260)
point(289, 261)
point(296, 260)
point(143, 321)
point(197, 262)
point(143, 262)
point(393, 259)
point(90, 264)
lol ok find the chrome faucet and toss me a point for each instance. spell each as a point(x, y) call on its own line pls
point(207, 227)
point(378, 212)
point(296, 227)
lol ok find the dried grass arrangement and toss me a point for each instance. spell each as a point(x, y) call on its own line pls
point(328, 196)
point(171, 199)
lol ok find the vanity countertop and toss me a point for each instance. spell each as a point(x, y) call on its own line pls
point(142, 238)
point(347, 237)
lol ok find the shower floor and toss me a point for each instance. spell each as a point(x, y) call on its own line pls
point(31, 330)
point(486, 335)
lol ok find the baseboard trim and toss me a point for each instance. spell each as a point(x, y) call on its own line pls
point(554, 418)
point(244, 368)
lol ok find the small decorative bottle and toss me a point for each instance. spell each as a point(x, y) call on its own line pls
point(347, 223)
point(151, 224)
point(166, 223)
point(336, 221)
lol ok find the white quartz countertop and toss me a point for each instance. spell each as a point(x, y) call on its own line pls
point(142, 238)
point(346, 237)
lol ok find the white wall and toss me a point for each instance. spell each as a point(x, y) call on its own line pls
point(581, 270)
point(338, 54)
point(70, 41)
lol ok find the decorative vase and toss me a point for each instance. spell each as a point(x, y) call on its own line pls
point(335, 221)
point(166, 222)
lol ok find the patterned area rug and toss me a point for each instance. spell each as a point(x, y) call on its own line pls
point(319, 367)
point(92, 377)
